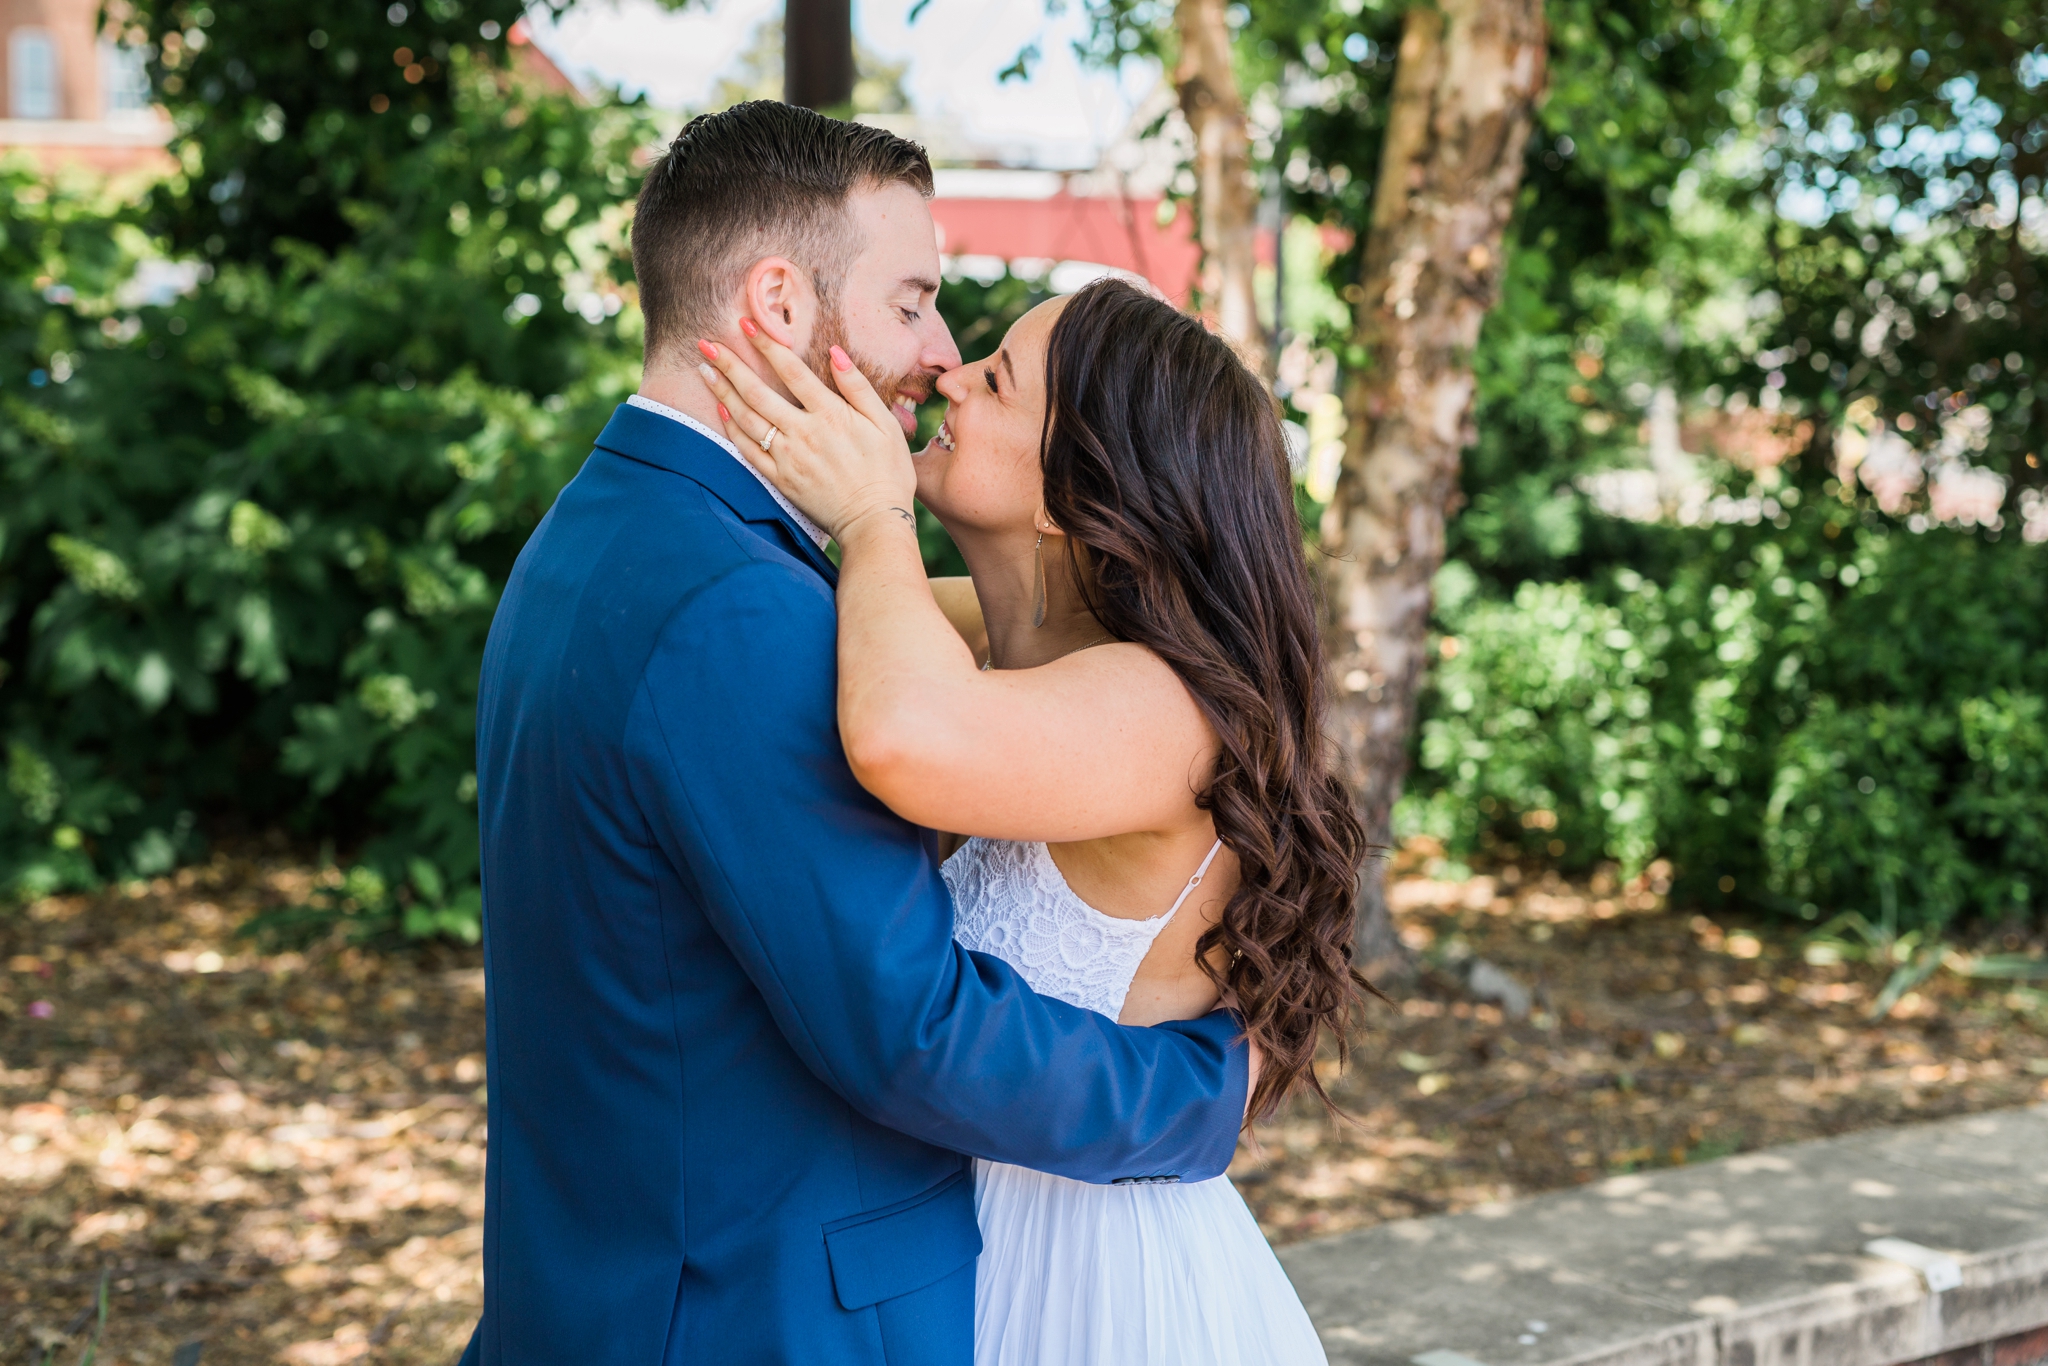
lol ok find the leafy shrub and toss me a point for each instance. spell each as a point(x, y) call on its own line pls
point(253, 536)
point(1936, 809)
point(2001, 807)
point(1820, 721)
point(1856, 811)
point(1540, 729)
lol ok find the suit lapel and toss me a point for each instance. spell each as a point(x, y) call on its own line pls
point(655, 440)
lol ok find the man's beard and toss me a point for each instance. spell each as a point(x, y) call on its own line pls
point(830, 332)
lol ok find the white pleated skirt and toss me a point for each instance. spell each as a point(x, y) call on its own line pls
point(1141, 1275)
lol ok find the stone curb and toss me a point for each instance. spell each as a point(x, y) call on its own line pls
point(1756, 1260)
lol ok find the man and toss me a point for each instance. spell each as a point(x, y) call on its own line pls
point(735, 1056)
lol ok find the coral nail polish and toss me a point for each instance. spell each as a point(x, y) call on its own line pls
point(710, 351)
point(747, 326)
point(723, 415)
point(841, 361)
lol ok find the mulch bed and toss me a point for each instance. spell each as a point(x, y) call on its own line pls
point(1659, 1037)
point(279, 1155)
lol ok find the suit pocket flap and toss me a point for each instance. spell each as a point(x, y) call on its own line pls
point(906, 1246)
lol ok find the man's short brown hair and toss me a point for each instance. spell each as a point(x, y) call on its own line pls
point(759, 179)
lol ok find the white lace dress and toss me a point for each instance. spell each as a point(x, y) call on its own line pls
point(1073, 1274)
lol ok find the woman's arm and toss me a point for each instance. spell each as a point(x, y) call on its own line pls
point(1105, 741)
point(1102, 742)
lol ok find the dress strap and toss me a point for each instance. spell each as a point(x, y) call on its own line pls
point(1196, 880)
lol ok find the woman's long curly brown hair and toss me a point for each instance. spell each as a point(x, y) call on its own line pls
point(1166, 464)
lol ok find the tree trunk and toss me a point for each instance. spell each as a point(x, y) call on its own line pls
point(1465, 88)
point(1226, 199)
point(817, 54)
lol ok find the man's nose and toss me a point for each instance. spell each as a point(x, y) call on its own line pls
point(939, 353)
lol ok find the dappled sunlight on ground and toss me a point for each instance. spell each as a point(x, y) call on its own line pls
point(281, 1153)
point(1657, 1038)
point(278, 1154)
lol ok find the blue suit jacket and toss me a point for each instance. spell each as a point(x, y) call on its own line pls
point(735, 1055)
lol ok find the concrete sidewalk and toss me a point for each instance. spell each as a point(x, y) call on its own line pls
point(1765, 1259)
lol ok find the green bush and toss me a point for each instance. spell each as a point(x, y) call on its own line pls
point(1856, 812)
point(1832, 722)
point(1539, 727)
point(1943, 810)
point(253, 536)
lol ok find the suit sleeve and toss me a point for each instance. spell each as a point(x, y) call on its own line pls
point(834, 911)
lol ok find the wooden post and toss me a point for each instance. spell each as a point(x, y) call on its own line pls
point(817, 54)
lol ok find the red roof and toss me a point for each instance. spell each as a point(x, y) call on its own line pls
point(529, 61)
point(1124, 233)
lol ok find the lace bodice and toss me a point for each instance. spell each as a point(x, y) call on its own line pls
point(1010, 900)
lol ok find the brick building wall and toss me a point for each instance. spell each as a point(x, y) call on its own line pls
point(69, 94)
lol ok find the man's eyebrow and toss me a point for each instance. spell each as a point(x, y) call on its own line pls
point(922, 284)
point(1004, 356)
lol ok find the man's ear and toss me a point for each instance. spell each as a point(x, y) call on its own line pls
point(780, 299)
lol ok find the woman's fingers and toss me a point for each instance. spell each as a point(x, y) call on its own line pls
point(733, 409)
point(752, 389)
point(807, 387)
point(859, 392)
point(745, 428)
point(835, 459)
point(739, 437)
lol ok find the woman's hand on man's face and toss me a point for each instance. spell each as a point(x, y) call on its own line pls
point(840, 459)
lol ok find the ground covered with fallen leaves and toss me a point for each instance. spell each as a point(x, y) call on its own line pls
point(278, 1156)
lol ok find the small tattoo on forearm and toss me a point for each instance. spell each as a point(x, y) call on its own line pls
point(905, 514)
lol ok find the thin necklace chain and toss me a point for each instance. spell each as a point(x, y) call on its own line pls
point(990, 665)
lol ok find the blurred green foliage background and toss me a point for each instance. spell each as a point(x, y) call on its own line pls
point(254, 532)
point(1776, 283)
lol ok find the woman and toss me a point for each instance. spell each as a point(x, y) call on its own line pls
point(1123, 716)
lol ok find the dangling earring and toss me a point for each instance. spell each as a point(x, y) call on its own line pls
point(1038, 564)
